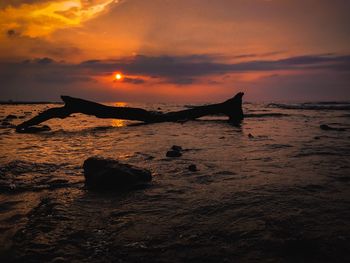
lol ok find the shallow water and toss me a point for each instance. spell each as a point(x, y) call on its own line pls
point(280, 195)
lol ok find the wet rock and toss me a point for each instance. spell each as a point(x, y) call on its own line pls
point(33, 129)
point(193, 168)
point(101, 173)
point(176, 148)
point(173, 153)
point(5, 123)
point(10, 117)
point(326, 127)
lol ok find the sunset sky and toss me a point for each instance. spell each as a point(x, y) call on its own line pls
point(175, 50)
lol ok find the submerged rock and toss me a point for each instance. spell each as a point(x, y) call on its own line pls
point(33, 129)
point(102, 173)
point(6, 123)
point(173, 153)
point(176, 148)
point(329, 128)
point(192, 168)
point(10, 117)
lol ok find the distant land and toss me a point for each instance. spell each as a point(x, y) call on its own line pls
point(11, 102)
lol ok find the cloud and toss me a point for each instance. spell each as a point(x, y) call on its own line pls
point(40, 18)
point(133, 80)
point(155, 77)
point(12, 33)
point(184, 69)
point(44, 61)
point(179, 70)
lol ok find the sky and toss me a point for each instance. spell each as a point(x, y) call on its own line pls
point(175, 50)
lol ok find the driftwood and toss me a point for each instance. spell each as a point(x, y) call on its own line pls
point(232, 108)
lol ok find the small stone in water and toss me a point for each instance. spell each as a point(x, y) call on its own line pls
point(326, 127)
point(192, 168)
point(176, 148)
point(10, 117)
point(173, 153)
point(34, 129)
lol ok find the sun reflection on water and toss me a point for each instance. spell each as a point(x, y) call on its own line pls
point(118, 122)
point(120, 104)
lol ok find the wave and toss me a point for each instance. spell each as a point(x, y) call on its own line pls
point(264, 115)
point(313, 106)
point(21, 176)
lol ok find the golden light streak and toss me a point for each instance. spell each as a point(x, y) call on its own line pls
point(36, 20)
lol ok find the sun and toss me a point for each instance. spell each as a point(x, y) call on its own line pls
point(118, 76)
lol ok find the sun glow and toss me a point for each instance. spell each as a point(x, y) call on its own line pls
point(118, 76)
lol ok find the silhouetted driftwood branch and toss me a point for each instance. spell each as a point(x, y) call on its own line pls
point(232, 108)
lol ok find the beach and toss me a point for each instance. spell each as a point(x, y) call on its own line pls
point(274, 189)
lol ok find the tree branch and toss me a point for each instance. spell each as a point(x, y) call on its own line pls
point(232, 108)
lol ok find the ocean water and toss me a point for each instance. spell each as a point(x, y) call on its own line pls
point(280, 194)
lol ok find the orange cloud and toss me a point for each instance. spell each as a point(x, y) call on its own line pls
point(41, 19)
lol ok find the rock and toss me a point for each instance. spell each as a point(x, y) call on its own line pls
point(10, 117)
point(328, 128)
point(192, 168)
point(101, 173)
point(173, 153)
point(6, 123)
point(176, 148)
point(250, 136)
point(34, 129)
point(317, 137)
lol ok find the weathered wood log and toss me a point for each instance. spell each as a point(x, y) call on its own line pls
point(232, 108)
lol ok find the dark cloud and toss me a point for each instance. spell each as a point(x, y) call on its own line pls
point(54, 50)
point(134, 80)
point(184, 69)
point(181, 70)
point(92, 61)
point(12, 33)
point(254, 55)
point(44, 61)
point(58, 78)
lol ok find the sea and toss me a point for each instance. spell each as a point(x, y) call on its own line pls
point(274, 189)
